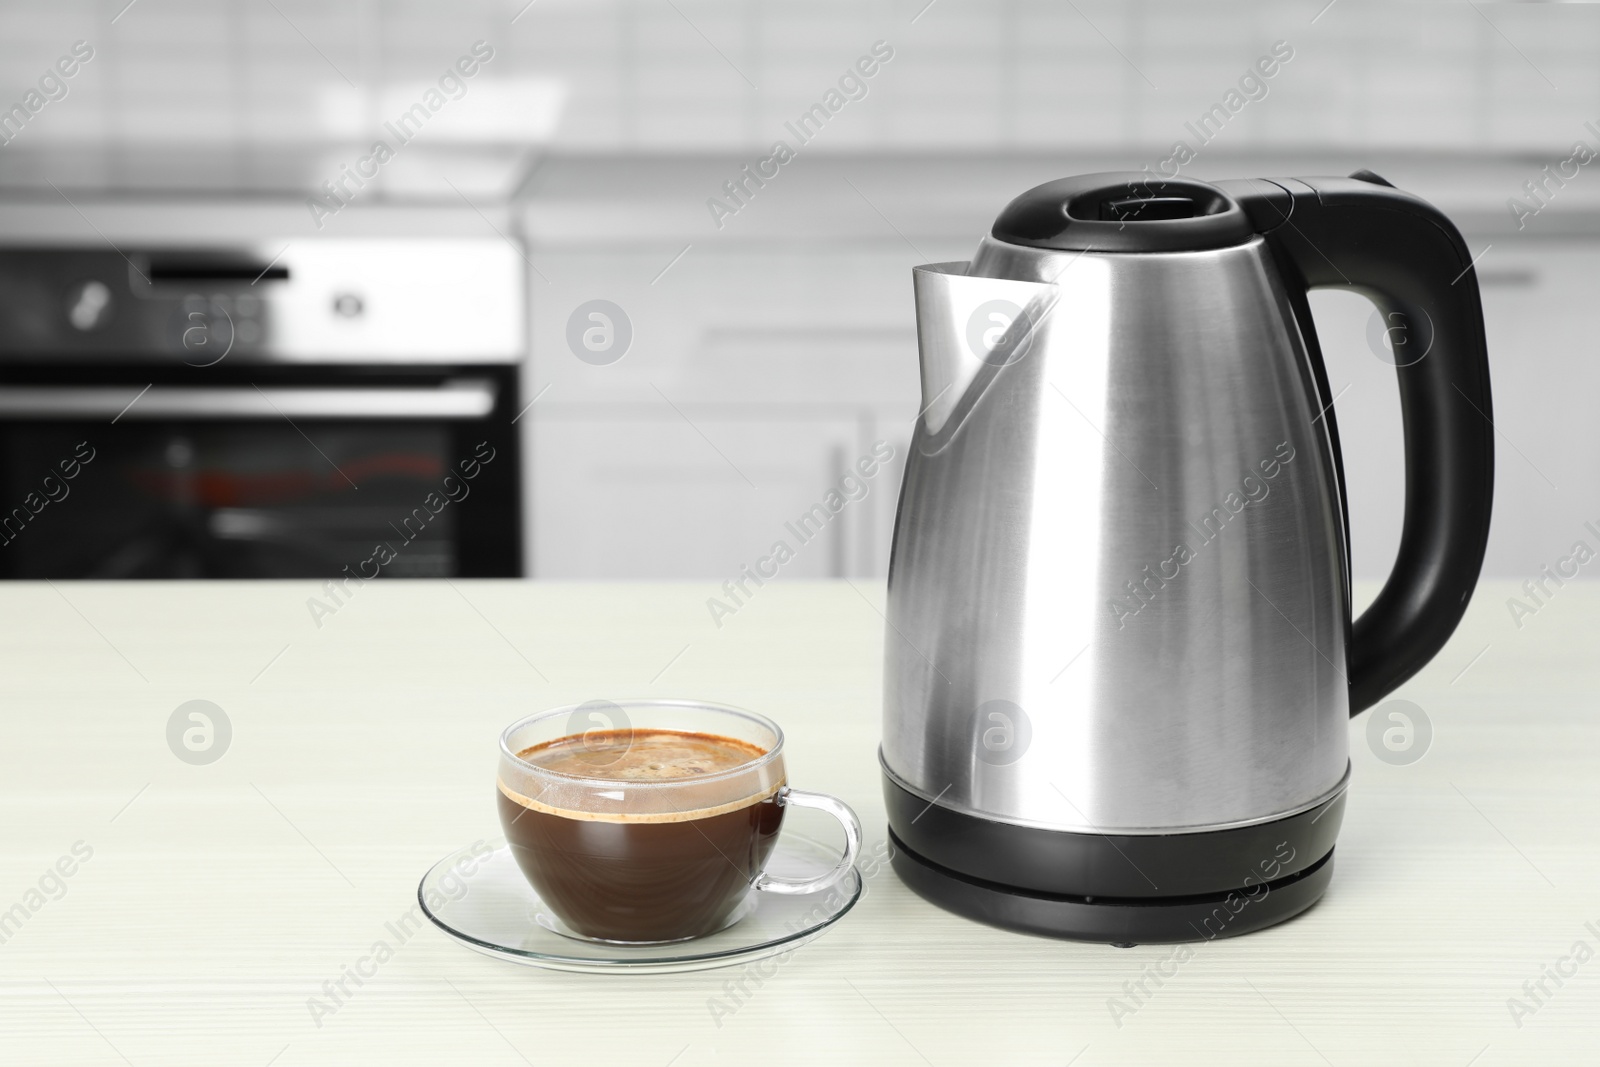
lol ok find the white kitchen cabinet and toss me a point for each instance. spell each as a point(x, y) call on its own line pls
point(755, 378)
point(649, 492)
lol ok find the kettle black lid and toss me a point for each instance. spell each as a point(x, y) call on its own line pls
point(1123, 211)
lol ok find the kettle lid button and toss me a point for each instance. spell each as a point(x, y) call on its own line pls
point(1364, 175)
point(1123, 211)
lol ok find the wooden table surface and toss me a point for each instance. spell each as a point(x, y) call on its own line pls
point(206, 905)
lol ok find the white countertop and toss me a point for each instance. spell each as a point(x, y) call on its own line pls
point(216, 899)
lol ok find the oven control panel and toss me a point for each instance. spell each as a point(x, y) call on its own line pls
point(363, 301)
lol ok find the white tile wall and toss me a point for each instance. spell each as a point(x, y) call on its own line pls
point(968, 75)
point(786, 336)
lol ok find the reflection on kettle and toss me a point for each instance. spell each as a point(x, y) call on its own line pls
point(1120, 654)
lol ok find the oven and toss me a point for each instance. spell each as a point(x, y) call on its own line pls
point(319, 410)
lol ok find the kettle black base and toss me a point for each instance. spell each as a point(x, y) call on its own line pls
point(1115, 888)
point(1124, 922)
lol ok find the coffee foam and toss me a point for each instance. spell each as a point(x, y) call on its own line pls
point(642, 755)
point(688, 815)
point(688, 774)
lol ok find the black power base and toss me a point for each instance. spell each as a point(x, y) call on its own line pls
point(1120, 889)
point(1124, 921)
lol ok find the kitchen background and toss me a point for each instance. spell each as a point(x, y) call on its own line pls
point(753, 352)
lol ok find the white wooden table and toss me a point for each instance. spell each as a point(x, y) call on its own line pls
point(217, 899)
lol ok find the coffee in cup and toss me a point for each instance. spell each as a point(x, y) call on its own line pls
point(655, 830)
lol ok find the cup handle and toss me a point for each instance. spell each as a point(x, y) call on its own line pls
point(799, 798)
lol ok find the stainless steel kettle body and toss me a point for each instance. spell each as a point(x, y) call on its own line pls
point(1119, 651)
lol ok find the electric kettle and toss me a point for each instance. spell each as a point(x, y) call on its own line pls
point(1120, 658)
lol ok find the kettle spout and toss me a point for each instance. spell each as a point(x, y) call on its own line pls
point(969, 325)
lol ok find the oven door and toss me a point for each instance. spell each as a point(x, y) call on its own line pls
point(258, 472)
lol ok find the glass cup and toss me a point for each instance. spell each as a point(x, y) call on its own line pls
point(620, 855)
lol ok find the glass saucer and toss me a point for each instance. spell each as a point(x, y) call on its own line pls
point(478, 896)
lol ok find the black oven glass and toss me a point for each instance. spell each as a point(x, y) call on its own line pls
point(230, 501)
point(216, 413)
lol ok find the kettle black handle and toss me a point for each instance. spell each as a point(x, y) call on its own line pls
point(1362, 234)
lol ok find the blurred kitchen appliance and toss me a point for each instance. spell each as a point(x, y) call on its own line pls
point(286, 410)
point(1120, 651)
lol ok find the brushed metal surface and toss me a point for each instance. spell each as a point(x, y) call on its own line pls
point(1117, 597)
